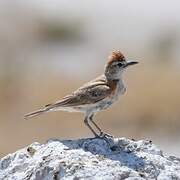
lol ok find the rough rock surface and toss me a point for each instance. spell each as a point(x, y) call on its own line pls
point(90, 159)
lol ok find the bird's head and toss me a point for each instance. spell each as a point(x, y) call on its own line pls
point(117, 63)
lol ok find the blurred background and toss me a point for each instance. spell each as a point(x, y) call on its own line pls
point(48, 48)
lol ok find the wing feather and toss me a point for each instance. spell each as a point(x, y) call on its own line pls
point(88, 94)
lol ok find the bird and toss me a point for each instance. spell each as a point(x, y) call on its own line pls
point(95, 95)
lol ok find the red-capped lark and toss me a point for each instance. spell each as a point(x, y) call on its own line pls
point(95, 95)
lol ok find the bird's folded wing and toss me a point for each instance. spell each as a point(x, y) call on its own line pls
point(86, 95)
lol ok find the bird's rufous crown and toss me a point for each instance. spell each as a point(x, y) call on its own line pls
point(116, 56)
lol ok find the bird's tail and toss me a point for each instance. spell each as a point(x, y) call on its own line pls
point(36, 113)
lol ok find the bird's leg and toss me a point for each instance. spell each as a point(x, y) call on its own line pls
point(86, 121)
point(99, 129)
point(102, 134)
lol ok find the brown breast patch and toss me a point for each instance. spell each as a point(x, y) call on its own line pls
point(113, 86)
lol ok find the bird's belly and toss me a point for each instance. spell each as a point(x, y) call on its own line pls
point(110, 100)
point(104, 104)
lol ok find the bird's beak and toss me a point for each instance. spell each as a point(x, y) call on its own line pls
point(129, 63)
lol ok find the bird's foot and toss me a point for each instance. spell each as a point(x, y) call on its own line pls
point(105, 135)
point(109, 139)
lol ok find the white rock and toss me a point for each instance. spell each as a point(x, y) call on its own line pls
point(90, 159)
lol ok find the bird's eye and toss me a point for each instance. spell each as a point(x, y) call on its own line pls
point(120, 64)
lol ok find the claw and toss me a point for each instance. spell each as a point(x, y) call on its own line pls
point(108, 138)
point(105, 135)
